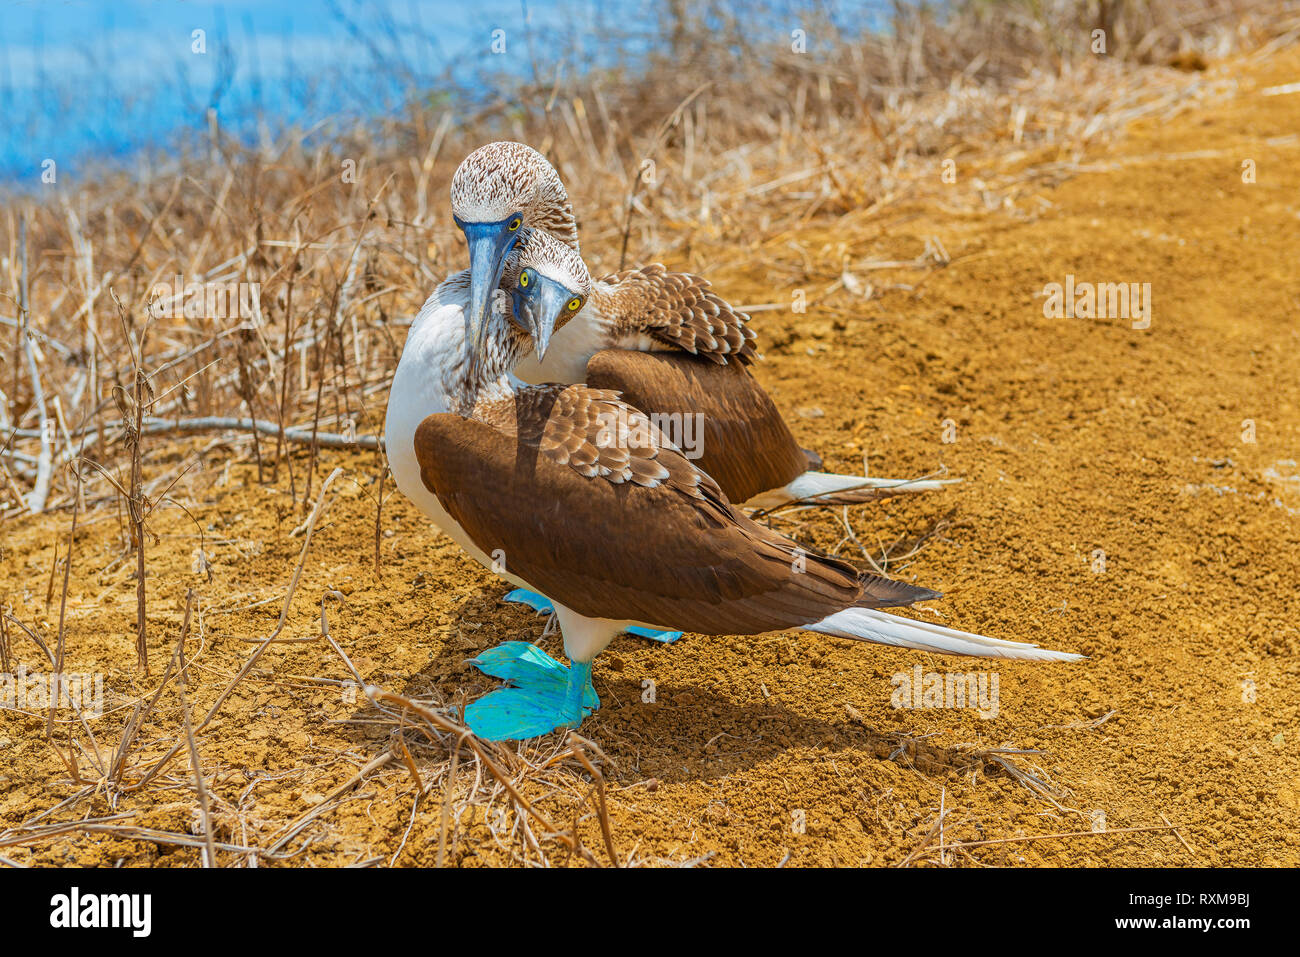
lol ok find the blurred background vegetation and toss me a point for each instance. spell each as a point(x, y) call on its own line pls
point(687, 131)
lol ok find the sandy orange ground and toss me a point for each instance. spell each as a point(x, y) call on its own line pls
point(1072, 435)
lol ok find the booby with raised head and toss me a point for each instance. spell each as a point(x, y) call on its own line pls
point(679, 347)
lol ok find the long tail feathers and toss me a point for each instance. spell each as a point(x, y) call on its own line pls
point(867, 624)
point(829, 488)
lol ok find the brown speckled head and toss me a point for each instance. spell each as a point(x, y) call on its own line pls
point(502, 178)
point(548, 284)
point(542, 252)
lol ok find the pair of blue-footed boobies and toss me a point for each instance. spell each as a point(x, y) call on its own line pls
point(571, 491)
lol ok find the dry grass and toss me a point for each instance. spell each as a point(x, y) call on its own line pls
point(713, 153)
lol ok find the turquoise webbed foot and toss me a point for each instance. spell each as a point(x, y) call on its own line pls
point(544, 694)
point(538, 603)
point(542, 605)
point(667, 637)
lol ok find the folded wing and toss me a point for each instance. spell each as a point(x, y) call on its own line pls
point(742, 440)
point(586, 501)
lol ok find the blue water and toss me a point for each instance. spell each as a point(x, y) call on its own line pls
point(90, 84)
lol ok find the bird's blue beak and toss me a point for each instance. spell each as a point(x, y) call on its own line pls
point(489, 243)
point(540, 308)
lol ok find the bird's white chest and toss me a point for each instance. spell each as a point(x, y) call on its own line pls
point(432, 349)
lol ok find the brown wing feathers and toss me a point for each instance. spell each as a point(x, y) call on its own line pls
point(679, 310)
point(745, 444)
point(631, 531)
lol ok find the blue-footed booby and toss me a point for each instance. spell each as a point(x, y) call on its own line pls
point(579, 496)
point(664, 340)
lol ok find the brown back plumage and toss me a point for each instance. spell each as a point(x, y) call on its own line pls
point(746, 446)
point(625, 529)
point(677, 309)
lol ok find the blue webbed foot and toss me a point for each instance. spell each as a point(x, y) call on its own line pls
point(545, 695)
point(538, 603)
point(667, 637)
point(512, 714)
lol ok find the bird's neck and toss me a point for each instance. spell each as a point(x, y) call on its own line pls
point(489, 378)
point(440, 361)
point(555, 216)
point(617, 317)
point(603, 307)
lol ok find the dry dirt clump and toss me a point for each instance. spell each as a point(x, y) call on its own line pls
point(1132, 494)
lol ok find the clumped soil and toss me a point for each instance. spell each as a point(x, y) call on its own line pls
point(1112, 504)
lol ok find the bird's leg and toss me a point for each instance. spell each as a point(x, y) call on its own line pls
point(576, 692)
point(542, 605)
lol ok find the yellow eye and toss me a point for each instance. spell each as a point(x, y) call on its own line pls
point(575, 304)
point(523, 279)
point(515, 224)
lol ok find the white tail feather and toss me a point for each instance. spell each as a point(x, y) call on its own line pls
point(809, 485)
point(867, 624)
